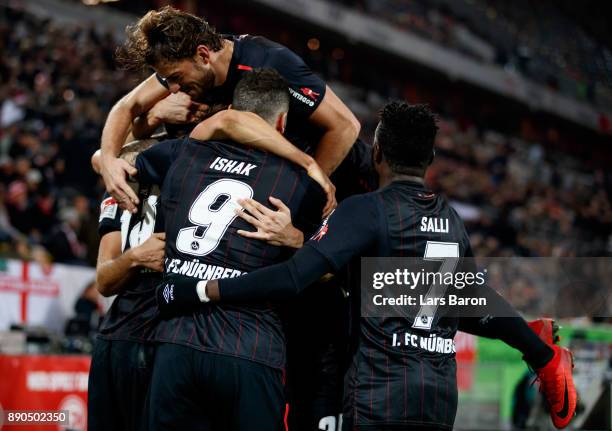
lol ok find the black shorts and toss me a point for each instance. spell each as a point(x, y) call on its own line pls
point(317, 356)
point(119, 379)
point(200, 391)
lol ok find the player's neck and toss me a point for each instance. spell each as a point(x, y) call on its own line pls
point(222, 62)
point(386, 176)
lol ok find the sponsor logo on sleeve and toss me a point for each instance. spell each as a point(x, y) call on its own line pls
point(322, 229)
point(313, 95)
point(108, 208)
point(307, 100)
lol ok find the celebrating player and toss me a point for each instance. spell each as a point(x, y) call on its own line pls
point(220, 356)
point(130, 265)
point(189, 56)
point(387, 386)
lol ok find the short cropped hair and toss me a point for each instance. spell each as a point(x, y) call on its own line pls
point(164, 35)
point(406, 135)
point(262, 91)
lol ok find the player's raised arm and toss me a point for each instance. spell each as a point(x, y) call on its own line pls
point(116, 129)
point(116, 268)
point(341, 129)
point(251, 130)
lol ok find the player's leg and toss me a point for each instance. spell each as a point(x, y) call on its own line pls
point(317, 350)
point(513, 331)
point(552, 363)
point(175, 400)
point(132, 365)
point(249, 396)
point(101, 405)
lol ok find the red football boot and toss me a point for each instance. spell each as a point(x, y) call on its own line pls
point(546, 329)
point(557, 385)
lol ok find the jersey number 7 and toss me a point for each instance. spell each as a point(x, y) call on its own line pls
point(448, 254)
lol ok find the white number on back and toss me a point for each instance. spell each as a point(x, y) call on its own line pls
point(448, 254)
point(212, 212)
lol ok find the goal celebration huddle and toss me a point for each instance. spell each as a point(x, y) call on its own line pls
point(233, 242)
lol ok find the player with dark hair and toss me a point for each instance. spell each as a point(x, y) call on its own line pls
point(130, 265)
point(228, 358)
point(390, 386)
point(188, 56)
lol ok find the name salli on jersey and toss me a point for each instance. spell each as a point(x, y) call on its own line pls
point(196, 269)
point(232, 166)
point(433, 224)
point(432, 343)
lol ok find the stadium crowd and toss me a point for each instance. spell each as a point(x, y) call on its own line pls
point(58, 82)
point(536, 39)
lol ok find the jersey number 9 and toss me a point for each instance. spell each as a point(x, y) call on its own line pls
point(211, 213)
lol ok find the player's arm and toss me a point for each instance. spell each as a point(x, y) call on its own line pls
point(330, 249)
point(116, 129)
point(251, 130)
point(176, 108)
point(311, 98)
point(341, 129)
point(279, 227)
point(114, 269)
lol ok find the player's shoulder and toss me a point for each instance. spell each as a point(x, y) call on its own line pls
point(363, 204)
point(252, 40)
point(259, 51)
point(110, 216)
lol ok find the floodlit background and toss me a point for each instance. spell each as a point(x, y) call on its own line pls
point(524, 92)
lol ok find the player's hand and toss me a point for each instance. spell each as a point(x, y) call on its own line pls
point(114, 171)
point(178, 108)
point(316, 173)
point(274, 227)
point(150, 254)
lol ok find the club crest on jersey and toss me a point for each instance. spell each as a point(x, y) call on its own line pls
point(433, 224)
point(168, 293)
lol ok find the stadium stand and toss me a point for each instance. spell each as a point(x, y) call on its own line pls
point(57, 84)
point(538, 39)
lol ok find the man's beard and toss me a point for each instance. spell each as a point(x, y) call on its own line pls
point(203, 86)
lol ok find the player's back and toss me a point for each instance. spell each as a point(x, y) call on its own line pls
point(199, 199)
point(413, 223)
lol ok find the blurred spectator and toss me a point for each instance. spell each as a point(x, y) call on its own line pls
point(56, 85)
point(87, 313)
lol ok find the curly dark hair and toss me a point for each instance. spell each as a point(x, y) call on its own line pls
point(163, 35)
point(406, 135)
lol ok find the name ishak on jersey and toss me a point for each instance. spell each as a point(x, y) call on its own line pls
point(433, 343)
point(232, 166)
point(196, 269)
point(432, 224)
